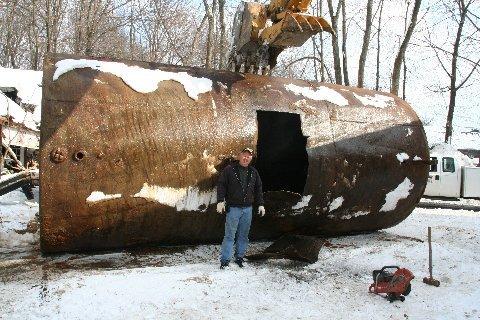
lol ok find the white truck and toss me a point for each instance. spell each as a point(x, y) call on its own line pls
point(452, 174)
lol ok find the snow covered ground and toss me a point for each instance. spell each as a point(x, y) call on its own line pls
point(186, 283)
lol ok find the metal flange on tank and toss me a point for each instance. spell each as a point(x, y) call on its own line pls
point(131, 151)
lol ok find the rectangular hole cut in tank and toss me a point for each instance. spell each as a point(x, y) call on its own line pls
point(282, 159)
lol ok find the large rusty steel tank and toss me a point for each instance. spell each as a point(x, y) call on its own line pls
point(131, 152)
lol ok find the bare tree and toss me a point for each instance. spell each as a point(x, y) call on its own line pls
point(96, 25)
point(152, 30)
point(131, 29)
point(404, 81)
point(322, 68)
point(461, 14)
point(195, 41)
point(318, 62)
point(54, 13)
point(11, 35)
point(377, 76)
point(210, 12)
point(403, 48)
point(336, 50)
point(344, 45)
point(34, 43)
point(366, 42)
point(165, 32)
point(223, 43)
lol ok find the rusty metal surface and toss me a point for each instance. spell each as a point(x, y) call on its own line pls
point(100, 135)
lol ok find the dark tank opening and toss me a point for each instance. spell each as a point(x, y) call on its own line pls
point(282, 160)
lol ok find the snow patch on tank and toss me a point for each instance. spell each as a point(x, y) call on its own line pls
point(210, 160)
point(320, 94)
point(97, 196)
point(188, 199)
point(402, 157)
point(214, 108)
point(302, 203)
point(335, 204)
point(349, 216)
point(377, 100)
point(402, 191)
point(139, 79)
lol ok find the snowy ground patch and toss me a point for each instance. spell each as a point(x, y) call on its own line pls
point(18, 222)
point(186, 283)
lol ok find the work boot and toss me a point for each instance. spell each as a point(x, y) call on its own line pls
point(239, 262)
point(223, 264)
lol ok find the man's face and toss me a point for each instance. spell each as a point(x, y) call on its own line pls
point(244, 158)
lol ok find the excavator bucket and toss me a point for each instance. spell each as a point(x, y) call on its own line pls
point(261, 32)
point(294, 30)
point(130, 154)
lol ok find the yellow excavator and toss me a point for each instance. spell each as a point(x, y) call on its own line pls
point(261, 32)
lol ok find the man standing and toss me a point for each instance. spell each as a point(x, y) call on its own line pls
point(239, 186)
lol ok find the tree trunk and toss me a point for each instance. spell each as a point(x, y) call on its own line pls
point(56, 24)
point(344, 45)
point(223, 42)
point(89, 29)
point(377, 76)
point(336, 51)
point(453, 74)
point(193, 46)
point(366, 42)
point(8, 46)
point(35, 43)
point(404, 82)
point(403, 48)
point(211, 29)
point(79, 11)
point(131, 31)
point(322, 66)
point(48, 26)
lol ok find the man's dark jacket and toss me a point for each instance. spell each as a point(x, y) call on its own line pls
point(229, 187)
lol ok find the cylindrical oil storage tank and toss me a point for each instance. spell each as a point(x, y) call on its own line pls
point(131, 152)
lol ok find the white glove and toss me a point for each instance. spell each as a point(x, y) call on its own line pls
point(261, 211)
point(221, 207)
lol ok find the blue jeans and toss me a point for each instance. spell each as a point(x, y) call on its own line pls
point(237, 223)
